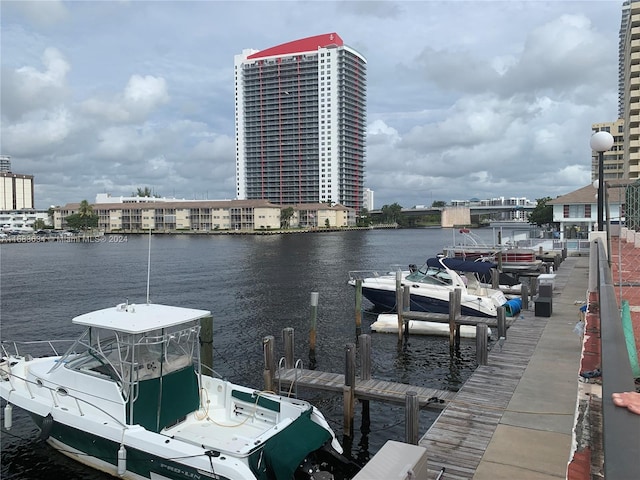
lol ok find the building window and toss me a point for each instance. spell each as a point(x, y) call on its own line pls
point(565, 212)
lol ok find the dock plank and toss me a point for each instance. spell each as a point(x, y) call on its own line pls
point(460, 435)
point(381, 390)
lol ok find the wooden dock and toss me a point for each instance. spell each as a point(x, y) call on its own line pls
point(460, 319)
point(378, 390)
point(459, 437)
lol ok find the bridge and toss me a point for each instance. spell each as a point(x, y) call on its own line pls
point(459, 215)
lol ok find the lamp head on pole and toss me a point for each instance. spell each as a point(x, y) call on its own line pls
point(601, 141)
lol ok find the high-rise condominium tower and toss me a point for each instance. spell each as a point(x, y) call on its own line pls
point(629, 97)
point(300, 111)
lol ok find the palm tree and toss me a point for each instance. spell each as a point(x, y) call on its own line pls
point(143, 192)
point(88, 219)
point(85, 209)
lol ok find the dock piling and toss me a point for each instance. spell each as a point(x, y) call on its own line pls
point(348, 390)
point(524, 295)
point(365, 356)
point(399, 300)
point(502, 322)
point(455, 301)
point(312, 331)
point(482, 352)
point(287, 337)
point(365, 374)
point(358, 306)
point(406, 306)
point(206, 342)
point(268, 351)
point(411, 417)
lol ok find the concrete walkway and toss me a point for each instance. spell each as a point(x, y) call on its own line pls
point(534, 435)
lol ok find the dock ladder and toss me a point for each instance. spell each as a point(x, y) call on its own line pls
point(297, 371)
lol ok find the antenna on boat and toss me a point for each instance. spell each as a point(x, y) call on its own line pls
point(149, 266)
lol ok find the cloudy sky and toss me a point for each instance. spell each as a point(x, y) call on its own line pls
point(465, 99)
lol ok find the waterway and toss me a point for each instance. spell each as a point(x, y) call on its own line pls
point(254, 286)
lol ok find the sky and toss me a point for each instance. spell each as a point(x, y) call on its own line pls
point(465, 99)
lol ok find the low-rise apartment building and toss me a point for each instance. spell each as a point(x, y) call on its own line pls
point(137, 214)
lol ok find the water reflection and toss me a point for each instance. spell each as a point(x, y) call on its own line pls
point(255, 287)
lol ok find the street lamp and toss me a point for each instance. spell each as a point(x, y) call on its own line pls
point(601, 142)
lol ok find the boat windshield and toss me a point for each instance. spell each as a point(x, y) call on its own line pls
point(433, 276)
point(131, 358)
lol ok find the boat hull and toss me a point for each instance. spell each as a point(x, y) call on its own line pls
point(386, 300)
point(388, 323)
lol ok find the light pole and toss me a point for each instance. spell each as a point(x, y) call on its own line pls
point(601, 142)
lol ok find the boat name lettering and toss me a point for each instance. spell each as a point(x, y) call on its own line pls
point(180, 471)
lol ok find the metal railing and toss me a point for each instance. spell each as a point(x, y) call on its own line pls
point(620, 428)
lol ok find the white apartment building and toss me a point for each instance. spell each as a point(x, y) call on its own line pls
point(300, 111)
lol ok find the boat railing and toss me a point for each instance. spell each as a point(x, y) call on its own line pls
point(362, 274)
point(37, 348)
point(211, 371)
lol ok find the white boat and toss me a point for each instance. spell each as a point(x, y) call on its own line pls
point(130, 398)
point(430, 286)
point(511, 258)
point(388, 323)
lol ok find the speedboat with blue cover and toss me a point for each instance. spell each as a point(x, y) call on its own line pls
point(431, 284)
point(130, 398)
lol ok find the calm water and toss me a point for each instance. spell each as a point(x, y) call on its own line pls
point(255, 286)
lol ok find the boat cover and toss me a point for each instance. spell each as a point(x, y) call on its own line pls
point(284, 452)
point(481, 268)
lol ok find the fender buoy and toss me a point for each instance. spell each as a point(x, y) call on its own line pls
point(47, 425)
point(513, 307)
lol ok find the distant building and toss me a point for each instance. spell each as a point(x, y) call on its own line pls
point(301, 117)
point(367, 200)
point(171, 215)
point(613, 159)
point(510, 214)
point(577, 211)
point(623, 160)
point(16, 191)
point(5, 163)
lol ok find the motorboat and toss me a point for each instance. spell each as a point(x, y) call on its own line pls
point(430, 286)
point(130, 397)
point(511, 258)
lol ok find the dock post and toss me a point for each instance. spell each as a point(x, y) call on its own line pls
point(406, 306)
point(411, 417)
point(452, 318)
point(358, 306)
point(268, 349)
point(365, 356)
point(348, 389)
point(287, 337)
point(524, 295)
point(502, 322)
point(312, 331)
point(365, 374)
point(495, 278)
point(533, 281)
point(455, 306)
point(481, 343)
point(399, 299)
point(206, 342)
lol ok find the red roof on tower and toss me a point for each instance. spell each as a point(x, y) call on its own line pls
point(303, 45)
